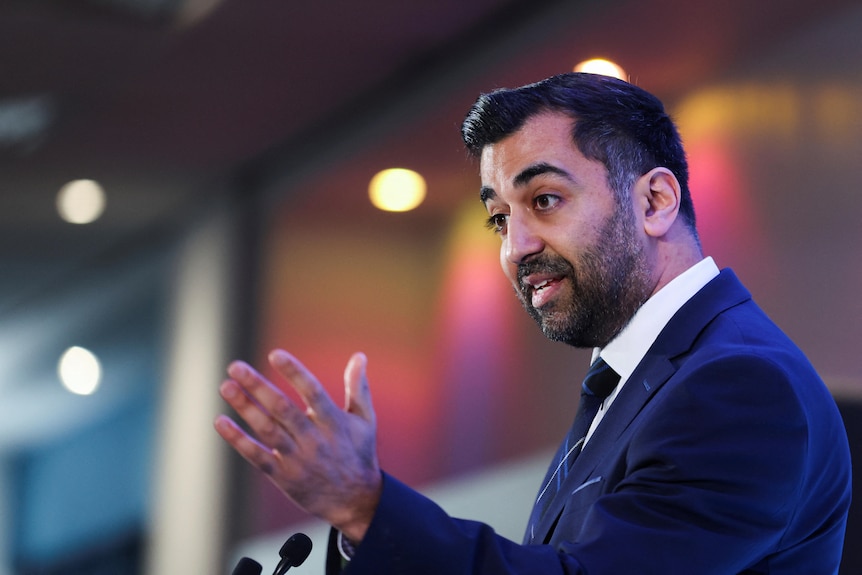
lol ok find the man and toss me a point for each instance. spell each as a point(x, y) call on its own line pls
point(716, 447)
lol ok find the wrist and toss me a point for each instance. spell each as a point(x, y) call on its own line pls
point(362, 512)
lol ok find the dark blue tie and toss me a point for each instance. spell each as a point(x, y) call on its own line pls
point(598, 384)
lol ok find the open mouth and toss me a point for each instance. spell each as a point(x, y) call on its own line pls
point(541, 292)
point(543, 280)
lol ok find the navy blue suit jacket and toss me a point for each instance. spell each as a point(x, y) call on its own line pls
point(724, 453)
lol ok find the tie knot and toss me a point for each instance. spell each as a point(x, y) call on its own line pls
point(600, 380)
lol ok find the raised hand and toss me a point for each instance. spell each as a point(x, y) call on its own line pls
point(322, 457)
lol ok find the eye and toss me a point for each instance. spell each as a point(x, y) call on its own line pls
point(545, 202)
point(497, 223)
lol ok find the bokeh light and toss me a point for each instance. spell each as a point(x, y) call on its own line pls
point(81, 201)
point(80, 371)
point(397, 190)
point(603, 67)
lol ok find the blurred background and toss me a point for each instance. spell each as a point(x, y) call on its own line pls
point(223, 150)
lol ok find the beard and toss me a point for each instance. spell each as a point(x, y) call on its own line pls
point(608, 282)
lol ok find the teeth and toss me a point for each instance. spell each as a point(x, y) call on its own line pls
point(541, 284)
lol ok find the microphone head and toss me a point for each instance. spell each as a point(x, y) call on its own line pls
point(295, 550)
point(247, 566)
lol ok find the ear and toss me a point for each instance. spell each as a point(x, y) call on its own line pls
point(658, 196)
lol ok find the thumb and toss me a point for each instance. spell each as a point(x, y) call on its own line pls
point(357, 394)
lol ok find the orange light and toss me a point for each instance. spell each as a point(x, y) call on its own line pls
point(397, 190)
point(603, 67)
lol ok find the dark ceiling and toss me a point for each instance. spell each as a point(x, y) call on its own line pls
point(164, 101)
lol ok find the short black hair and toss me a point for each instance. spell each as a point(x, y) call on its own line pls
point(614, 122)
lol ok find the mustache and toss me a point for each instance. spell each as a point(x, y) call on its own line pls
point(546, 264)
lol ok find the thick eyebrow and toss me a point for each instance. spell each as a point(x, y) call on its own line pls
point(523, 178)
point(487, 193)
point(531, 172)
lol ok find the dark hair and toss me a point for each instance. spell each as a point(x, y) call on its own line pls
point(616, 123)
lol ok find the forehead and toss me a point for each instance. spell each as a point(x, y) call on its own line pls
point(543, 136)
point(544, 139)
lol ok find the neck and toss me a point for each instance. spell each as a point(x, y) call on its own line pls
point(675, 253)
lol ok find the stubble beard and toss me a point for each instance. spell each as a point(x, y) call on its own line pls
point(608, 283)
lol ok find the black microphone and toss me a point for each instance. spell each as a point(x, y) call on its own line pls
point(294, 551)
point(247, 566)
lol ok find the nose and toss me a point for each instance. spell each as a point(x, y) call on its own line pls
point(521, 240)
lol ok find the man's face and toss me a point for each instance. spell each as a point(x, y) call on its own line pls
point(572, 253)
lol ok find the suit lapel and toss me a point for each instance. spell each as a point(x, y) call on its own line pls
point(650, 375)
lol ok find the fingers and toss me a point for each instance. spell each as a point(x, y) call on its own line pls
point(319, 405)
point(275, 420)
point(258, 455)
point(357, 394)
